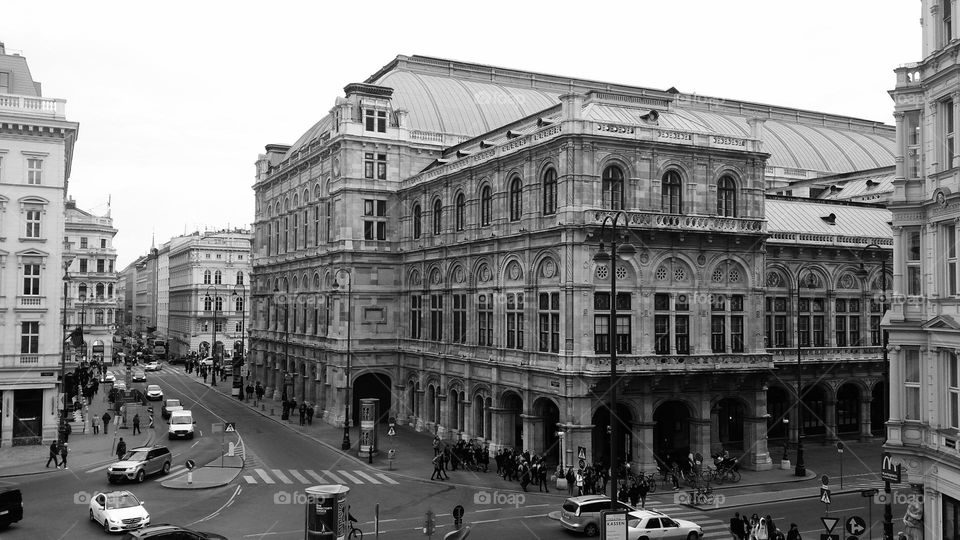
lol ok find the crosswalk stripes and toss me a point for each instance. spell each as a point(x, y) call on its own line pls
point(708, 524)
point(309, 476)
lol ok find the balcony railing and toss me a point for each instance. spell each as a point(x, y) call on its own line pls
point(823, 355)
point(33, 106)
point(28, 360)
point(707, 363)
point(691, 223)
point(32, 302)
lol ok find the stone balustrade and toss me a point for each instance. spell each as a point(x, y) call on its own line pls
point(33, 106)
point(825, 354)
point(677, 222)
point(683, 363)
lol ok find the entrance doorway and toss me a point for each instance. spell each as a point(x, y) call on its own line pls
point(671, 432)
point(372, 385)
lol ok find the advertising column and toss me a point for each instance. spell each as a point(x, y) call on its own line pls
point(369, 413)
point(326, 509)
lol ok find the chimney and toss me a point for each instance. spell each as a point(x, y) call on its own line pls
point(3, 50)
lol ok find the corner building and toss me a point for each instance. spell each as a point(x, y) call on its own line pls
point(924, 323)
point(440, 226)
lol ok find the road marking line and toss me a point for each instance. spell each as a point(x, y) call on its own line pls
point(302, 479)
point(250, 479)
point(334, 477)
point(264, 476)
point(99, 468)
point(367, 477)
point(315, 476)
point(351, 477)
point(177, 475)
point(279, 474)
point(176, 470)
point(387, 478)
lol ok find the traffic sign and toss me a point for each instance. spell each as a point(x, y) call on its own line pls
point(581, 452)
point(888, 471)
point(582, 463)
point(392, 432)
point(824, 495)
point(825, 480)
point(829, 523)
point(840, 447)
point(230, 427)
point(829, 537)
point(458, 516)
point(429, 523)
point(189, 464)
point(855, 525)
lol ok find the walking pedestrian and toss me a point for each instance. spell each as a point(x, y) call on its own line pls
point(571, 481)
point(771, 528)
point(136, 424)
point(95, 424)
point(642, 489)
point(63, 455)
point(106, 421)
point(736, 527)
point(303, 413)
point(794, 532)
point(437, 471)
point(65, 430)
point(310, 414)
point(121, 449)
point(54, 452)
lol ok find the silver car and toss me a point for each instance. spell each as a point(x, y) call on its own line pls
point(140, 462)
point(582, 514)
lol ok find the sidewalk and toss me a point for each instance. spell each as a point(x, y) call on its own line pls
point(86, 449)
point(414, 450)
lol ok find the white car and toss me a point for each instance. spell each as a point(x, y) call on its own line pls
point(653, 524)
point(108, 377)
point(120, 385)
point(154, 393)
point(152, 365)
point(208, 361)
point(118, 511)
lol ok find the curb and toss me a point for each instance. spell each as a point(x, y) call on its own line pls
point(150, 441)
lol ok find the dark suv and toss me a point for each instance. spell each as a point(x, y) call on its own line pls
point(140, 462)
point(170, 532)
point(11, 506)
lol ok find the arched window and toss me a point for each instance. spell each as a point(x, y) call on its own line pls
point(550, 191)
point(486, 201)
point(218, 278)
point(206, 277)
point(82, 290)
point(239, 278)
point(99, 290)
point(296, 228)
point(727, 197)
point(516, 199)
point(98, 316)
point(417, 221)
point(461, 211)
point(238, 304)
point(110, 290)
point(219, 303)
point(613, 188)
point(437, 216)
point(207, 303)
point(671, 199)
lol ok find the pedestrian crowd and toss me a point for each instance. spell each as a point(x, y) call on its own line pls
point(523, 467)
point(465, 455)
point(760, 528)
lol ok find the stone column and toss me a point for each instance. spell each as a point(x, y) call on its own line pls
point(956, 139)
point(6, 433)
point(533, 433)
point(830, 422)
point(866, 424)
point(757, 456)
point(699, 437)
point(575, 436)
point(499, 437)
point(644, 459)
point(468, 421)
point(900, 171)
point(417, 420)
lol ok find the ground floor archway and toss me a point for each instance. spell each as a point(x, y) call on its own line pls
point(779, 402)
point(814, 410)
point(512, 405)
point(622, 433)
point(729, 414)
point(879, 408)
point(549, 415)
point(847, 411)
point(372, 385)
point(671, 432)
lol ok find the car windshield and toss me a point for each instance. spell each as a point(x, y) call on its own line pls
point(136, 456)
point(153, 388)
point(121, 500)
point(181, 420)
point(570, 506)
point(173, 403)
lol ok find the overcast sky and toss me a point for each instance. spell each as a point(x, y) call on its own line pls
point(176, 99)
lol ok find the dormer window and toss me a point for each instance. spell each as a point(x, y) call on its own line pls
point(4, 83)
point(375, 120)
point(947, 17)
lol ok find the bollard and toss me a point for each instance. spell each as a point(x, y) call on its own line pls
point(263, 407)
point(271, 411)
point(190, 477)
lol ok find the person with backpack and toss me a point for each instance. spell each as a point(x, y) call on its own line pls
point(106, 421)
point(121, 449)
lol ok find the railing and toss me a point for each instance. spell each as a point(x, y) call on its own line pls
point(657, 220)
point(28, 359)
point(33, 106)
point(687, 363)
point(32, 302)
point(832, 239)
point(826, 354)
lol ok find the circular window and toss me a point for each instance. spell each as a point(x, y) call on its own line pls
point(717, 275)
point(621, 272)
point(734, 276)
point(602, 272)
point(679, 274)
point(661, 273)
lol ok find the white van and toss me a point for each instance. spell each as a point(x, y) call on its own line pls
point(181, 425)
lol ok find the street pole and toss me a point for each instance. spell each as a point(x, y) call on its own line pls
point(63, 346)
point(345, 445)
point(801, 469)
point(243, 330)
point(213, 343)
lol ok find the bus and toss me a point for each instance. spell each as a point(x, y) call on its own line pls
point(160, 349)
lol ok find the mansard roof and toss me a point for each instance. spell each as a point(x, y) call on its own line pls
point(790, 215)
point(21, 81)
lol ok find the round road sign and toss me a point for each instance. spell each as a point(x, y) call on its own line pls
point(189, 464)
point(457, 512)
point(583, 464)
point(840, 447)
point(825, 480)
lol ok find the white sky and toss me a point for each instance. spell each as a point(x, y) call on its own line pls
point(175, 99)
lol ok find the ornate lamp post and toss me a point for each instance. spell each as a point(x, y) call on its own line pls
point(213, 341)
point(801, 469)
point(286, 336)
point(888, 507)
point(603, 257)
point(345, 445)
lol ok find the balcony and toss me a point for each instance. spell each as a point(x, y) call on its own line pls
point(31, 303)
point(680, 223)
point(693, 363)
point(33, 106)
point(826, 355)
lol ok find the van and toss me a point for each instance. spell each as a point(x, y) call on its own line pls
point(181, 425)
point(11, 506)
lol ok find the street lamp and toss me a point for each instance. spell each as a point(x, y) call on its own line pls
point(63, 343)
point(213, 343)
point(83, 320)
point(345, 445)
point(286, 336)
point(603, 257)
point(888, 507)
point(801, 469)
point(243, 331)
